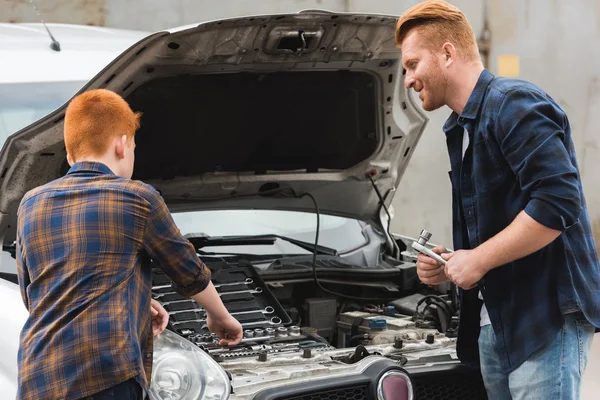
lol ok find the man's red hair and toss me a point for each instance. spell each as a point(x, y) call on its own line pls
point(93, 119)
point(439, 22)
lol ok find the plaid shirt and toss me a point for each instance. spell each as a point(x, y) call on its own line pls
point(521, 157)
point(84, 242)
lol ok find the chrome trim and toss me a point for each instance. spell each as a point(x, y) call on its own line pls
point(394, 373)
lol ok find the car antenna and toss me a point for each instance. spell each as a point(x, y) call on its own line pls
point(54, 45)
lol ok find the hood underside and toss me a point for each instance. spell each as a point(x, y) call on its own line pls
point(250, 113)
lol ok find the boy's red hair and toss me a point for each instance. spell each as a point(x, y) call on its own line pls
point(95, 117)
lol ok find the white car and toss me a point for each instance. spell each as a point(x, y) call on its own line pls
point(277, 142)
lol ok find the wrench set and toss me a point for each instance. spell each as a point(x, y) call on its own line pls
point(244, 294)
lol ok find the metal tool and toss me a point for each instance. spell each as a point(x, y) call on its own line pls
point(159, 295)
point(419, 246)
point(270, 331)
point(259, 332)
point(252, 291)
point(166, 303)
point(266, 311)
point(196, 310)
point(249, 333)
point(272, 321)
point(248, 281)
point(294, 330)
point(161, 287)
point(282, 331)
point(187, 321)
point(256, 338)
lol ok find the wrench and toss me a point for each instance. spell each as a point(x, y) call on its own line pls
point(248, 281)
point(272, 321)
point(252, 291)
point(178, 301)
point(267, 310)
point(186, 321)
point(419, 246)
point(161, 287)
point(196, 310)
point(159, 295)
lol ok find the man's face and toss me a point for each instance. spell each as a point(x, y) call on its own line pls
point(424, 72)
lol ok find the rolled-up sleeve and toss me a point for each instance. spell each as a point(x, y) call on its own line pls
point(534, 140)
point(172, 253)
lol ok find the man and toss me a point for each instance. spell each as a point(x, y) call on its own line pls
point(84, 244)
point(520, 224)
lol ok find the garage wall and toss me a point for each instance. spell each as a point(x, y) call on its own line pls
point(553, 40)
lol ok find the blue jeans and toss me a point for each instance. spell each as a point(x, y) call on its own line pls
point(554, 372)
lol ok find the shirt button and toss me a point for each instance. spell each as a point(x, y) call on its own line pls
point(470, 213)
point(148, 355)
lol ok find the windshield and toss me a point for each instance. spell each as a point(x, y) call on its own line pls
point(26, 102)
point(341, 234)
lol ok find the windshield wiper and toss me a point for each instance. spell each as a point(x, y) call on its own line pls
point(203, 241)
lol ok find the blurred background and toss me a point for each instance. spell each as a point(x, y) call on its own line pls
point(549, 42)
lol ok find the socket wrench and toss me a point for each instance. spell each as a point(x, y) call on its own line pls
point(419, 245)
point(248, 281)
point(266, 311)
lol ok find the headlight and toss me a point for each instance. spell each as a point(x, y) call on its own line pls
point(181, 371)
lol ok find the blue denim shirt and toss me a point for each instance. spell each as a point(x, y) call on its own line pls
point(520, 157)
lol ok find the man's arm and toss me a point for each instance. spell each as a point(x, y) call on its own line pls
point(521, 238)
point(533, 142)
point(171, 252)
point(176, 256)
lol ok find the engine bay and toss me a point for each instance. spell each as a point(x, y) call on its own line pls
point(286, 315)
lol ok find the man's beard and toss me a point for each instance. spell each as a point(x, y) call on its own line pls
point(435, 88)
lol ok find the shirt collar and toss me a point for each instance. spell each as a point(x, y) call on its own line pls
point(90, 167)
point(473, 104)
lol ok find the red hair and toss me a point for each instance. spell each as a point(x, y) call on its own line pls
point(95, 117)
point(439, 22)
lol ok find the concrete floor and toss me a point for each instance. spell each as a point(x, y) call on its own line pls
point(591, 383)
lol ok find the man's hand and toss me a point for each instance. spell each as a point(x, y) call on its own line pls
point(463, 268)
point(430, 271)
point(228, 329)
point(160, 317)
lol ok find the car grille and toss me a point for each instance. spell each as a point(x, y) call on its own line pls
point(449, 387)
point(347, 393)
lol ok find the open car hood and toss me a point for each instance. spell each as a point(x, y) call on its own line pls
point(251, 113)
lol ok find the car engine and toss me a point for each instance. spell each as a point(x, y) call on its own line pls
point(294, 331)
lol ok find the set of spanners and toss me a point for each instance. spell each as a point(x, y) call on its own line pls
point(272, 321)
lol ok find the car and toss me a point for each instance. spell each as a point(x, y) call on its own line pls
point(277, 142)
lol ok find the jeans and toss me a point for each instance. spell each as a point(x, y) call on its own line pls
point(554, 372)
point(128, 390)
